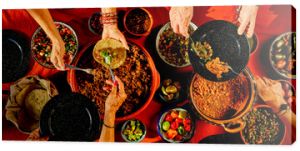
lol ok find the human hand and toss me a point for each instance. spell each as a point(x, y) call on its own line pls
point(271, 92)
point(116, 97)
point(112, 31)
point(180, 18)
point(35, 136)
point(247, 18)
point(57, 54)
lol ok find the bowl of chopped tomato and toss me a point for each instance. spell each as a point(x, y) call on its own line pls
point(176, 126)
point(41, 45)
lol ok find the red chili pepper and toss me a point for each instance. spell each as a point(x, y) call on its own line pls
point(174, 125)
point(178, 120)
point(187, 128)
point(186, 121)
point(168, 118)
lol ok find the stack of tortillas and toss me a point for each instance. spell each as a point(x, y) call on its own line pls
point(26, 101)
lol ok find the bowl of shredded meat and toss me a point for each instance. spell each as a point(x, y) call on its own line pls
point(138, 73)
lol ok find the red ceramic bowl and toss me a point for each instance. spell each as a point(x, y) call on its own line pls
point(138, 34)
point(154, 83)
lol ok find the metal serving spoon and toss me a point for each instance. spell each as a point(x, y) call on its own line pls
point(106, 60)
point(112, 74)
point(88, 71)
point(230, 68)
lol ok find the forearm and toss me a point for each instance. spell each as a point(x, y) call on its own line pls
point(110, 11)
point(44, 19)
point(108, 131)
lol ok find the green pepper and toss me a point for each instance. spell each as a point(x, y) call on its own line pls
point(132, 123)
point(138, 137)
point(131, 137)
point(104, 54)
point(181, 130)
point(138, 123)
point(166, 126)
point(67, 47)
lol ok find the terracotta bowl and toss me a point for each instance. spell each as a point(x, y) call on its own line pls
point(71, 77)
point(237, 117)
point(137, 34)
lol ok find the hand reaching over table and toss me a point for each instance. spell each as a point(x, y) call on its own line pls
point(44, 19)
point(110, 27)
point(116, 97)
point(272, 94)
point(113, 102)
point(180, 18)
point(112, 31)
point(247, 19)
point(270, 91)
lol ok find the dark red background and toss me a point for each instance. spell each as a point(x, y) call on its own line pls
point(271, 22)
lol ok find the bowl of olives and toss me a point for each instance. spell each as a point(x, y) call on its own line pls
point(283, 55)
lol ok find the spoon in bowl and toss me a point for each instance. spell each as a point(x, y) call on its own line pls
point(231, 69)
point(228, 66)
point(107, 60)
point(88, 71)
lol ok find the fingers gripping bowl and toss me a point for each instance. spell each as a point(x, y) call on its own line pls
point(138, 73)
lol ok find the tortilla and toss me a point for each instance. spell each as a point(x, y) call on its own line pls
point(35, 101)
point(114, 48)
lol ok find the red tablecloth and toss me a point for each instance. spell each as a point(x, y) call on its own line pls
point(271, 22)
